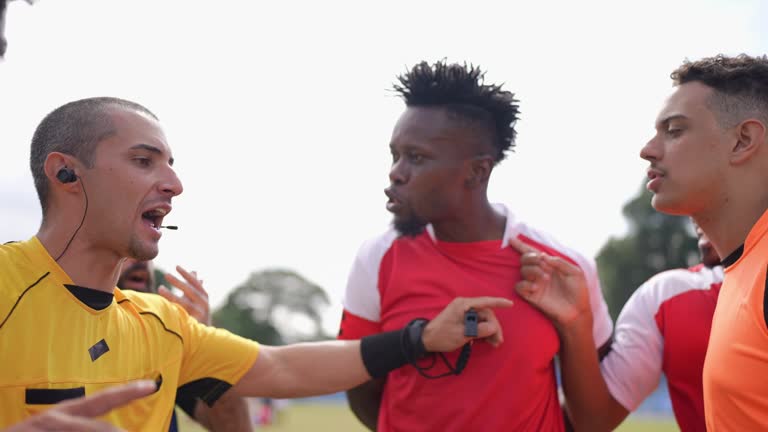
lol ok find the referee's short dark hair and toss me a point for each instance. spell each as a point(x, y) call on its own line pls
point(75, 129)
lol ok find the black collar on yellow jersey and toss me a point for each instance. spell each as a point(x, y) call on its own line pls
point(94, 299)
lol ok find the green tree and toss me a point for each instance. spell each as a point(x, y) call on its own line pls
point(655, 242)
point(275, 307)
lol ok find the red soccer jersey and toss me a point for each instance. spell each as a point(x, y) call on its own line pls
point(664, 327)
point(510, 388)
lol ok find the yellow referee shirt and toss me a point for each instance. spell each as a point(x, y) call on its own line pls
point(59, 341)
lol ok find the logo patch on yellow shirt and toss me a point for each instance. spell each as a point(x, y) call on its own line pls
point(98, 349)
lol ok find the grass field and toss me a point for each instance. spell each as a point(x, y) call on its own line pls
point(648, 425)
point(338, 418)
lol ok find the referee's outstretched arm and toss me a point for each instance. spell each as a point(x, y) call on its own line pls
point(316, 368)
point(304, 369)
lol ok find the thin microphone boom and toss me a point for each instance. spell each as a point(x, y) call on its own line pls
point(170, 227)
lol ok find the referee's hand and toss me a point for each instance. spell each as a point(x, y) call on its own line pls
point(445, 332)
point(77, 415)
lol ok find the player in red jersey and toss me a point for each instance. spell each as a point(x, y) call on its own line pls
point(448, 240)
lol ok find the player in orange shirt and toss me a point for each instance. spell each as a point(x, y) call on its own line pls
point(709, 160)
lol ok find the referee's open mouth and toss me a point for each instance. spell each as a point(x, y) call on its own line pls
point(154, 217)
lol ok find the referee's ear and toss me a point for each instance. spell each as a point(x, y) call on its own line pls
point(480, 168)
point(54, 163)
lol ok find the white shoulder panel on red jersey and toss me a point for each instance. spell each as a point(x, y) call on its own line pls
point(633, 368)
point(362, 296)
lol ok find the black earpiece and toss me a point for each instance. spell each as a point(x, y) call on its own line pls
point(66, 175)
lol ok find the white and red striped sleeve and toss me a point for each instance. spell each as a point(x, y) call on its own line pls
point(362, 299)
point(632, 369)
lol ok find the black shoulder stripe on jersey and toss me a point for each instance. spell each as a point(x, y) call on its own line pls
point(158, 318)
point(21, 296)
point(163, 324)
point(52, 396)
point(765, 300)
point(186, 401)
point(208, 390)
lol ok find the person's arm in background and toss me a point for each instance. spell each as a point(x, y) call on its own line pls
point(230, 412)
point(559, 289)
point(633, 368)
point(361, 317)
point(365, 400)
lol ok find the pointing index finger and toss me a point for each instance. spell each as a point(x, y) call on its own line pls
point(486, 302)
point(109, 399)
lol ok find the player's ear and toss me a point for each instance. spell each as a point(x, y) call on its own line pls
point(750, 136)
point(479, 171)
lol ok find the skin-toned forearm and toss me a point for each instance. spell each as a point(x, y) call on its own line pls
point(365, 400)
point(305, 369)
point(229, 414)
point(589, 404)
point(317, 368)
point(559, 289)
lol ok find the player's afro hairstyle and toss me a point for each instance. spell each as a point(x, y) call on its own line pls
point(461, 89)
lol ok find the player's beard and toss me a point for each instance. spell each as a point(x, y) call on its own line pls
point(412, 225)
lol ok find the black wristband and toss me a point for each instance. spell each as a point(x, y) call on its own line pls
point(382, 353)
point(385, 352)
point(412, 343)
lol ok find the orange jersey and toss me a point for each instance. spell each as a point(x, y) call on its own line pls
point(735, 394)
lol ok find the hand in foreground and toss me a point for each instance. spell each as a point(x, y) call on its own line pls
point(195, 299)
point(445, 332)
point(78, 414)
point(552, 284)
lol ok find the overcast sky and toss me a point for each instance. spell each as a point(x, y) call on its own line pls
point(279, 113)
